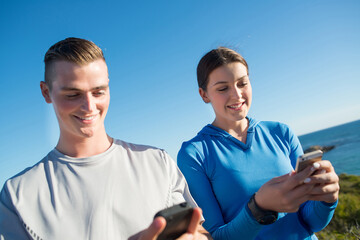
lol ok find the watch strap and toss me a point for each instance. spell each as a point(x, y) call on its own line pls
point(262, 216)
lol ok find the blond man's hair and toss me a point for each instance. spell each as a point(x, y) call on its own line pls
point(75, 50)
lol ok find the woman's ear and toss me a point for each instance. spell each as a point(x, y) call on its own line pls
point(203, 95)
point(45, 91)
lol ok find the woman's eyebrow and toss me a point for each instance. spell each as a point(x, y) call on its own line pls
point(219, 82)
point(243, 77)
point(239, 79)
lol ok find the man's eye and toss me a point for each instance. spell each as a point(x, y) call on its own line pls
point(72, 95)
point(100, 93)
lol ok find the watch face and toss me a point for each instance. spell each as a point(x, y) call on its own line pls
point(268, 219)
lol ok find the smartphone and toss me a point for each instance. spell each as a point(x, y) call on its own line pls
point(177, 218)
point(307, 159)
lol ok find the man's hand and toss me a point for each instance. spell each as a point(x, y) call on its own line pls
point(195, 230)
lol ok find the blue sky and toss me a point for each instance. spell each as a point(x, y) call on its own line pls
point(304, 59)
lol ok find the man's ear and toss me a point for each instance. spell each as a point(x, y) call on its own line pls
point(45, 91)
point(203, 95)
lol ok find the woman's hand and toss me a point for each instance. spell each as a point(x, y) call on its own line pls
point(326, 183)
point(286, 193)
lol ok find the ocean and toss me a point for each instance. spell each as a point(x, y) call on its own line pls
point(345, 157)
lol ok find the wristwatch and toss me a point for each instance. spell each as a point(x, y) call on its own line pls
point(262, 216)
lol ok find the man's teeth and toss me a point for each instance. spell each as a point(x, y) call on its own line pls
point(87, 118)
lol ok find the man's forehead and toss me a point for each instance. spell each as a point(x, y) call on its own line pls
point(68, 67)
point(76, 87)
point(71, 76)
point(74, 65)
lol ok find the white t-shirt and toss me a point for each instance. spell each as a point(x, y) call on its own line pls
point(112, 195)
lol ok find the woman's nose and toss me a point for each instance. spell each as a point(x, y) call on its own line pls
point(236, 92)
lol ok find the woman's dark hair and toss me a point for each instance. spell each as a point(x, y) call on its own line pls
point(214, 59)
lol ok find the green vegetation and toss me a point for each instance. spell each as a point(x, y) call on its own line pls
point(346, 221)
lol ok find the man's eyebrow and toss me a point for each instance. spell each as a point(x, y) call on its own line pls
point(100, 87)
point(77, 89)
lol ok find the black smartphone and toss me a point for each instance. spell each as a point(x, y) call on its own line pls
point(177, 218)
point(308, 158)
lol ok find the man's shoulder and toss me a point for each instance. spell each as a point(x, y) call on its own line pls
point(142, 152)
point(139, 149)
point(145, 160)
point(136, 147)
point(27, 179)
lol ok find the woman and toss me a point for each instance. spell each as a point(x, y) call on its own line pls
point(238, 167)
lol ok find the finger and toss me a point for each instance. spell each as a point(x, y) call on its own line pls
point(298, 178)
point(299, 195)
point(282, 178)
point(329, 198)
point(193, 226)
point(195, 220)
point(155, 228)
point(323, 178)
point(325, 164)
point(321, 189)
point(186, 236)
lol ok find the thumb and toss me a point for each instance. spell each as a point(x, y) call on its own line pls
point(195, 220)
point(282, 178)
point(155, 228)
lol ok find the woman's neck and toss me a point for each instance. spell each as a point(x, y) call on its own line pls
point(237, 129)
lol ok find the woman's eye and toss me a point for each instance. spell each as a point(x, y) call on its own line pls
point(222, 89)
point(243, 84)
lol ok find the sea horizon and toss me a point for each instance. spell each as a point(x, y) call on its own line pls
point(345, 140)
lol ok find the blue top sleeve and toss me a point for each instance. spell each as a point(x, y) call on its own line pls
point(243, 226)
point(223, 173)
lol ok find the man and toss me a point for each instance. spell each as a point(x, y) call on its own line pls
point(90, 186)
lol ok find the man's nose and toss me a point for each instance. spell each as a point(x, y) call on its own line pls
point(88, 103)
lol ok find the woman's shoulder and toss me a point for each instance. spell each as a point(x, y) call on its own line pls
point(273, 125)
point(199, 141)
point(275, 128)
point(193, 144)
point(208, 132)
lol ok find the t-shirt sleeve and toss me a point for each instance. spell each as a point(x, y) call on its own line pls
point(179, 188)
point(243, 226)
point(11, 226)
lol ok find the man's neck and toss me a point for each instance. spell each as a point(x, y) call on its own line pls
point(84, 147)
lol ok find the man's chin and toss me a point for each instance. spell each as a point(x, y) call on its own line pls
point(87, 133)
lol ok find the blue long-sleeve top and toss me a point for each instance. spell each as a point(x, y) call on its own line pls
point(223, 173)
